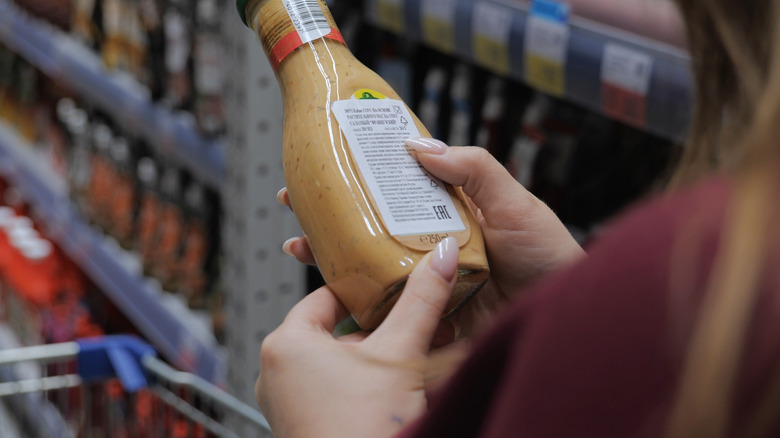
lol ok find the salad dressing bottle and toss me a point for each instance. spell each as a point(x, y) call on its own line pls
point(369, 210)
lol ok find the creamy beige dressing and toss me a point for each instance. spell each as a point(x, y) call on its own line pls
point(361, 262)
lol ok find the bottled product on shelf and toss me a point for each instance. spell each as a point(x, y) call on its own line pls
point(172, 48)
point(460, 103)
point(493, 112)
point(430, 107)
point(208, 68)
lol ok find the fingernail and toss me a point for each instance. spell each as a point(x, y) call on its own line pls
point(280, 195)
point(287, 246)
point(445, 258)
point(427, 145)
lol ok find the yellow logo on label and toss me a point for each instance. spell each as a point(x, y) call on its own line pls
point(367, 93)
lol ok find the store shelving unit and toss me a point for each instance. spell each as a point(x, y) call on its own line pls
point(453, 27)
point(180, 336)
point(62, 58)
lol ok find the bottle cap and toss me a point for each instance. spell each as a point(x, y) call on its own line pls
point(22, 222)
point(7, 215)
point(37, 250)
point(147, 171)
point(241, 6)
point(20, 237)
point(101, 136)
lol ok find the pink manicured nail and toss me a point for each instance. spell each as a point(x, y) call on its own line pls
point(287, 246)
point(280, 195)
point(427, 145)
point(445, 258)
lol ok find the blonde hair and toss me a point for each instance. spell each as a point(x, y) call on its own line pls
point(735, 47)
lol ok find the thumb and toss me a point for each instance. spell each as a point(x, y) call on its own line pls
point(483, 179)
point(411, 324)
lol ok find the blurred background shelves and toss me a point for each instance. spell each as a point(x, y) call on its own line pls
point(627, 76)
point(180, 335)
point(60, 57)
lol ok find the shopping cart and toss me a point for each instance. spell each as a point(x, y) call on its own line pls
point(115, 387)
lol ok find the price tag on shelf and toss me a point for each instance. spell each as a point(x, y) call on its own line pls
point(492, 24)
point(389, 15)
point(546, 44)
point(438, 23)
point(625, 79)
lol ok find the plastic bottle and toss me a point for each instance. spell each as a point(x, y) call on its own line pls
point(430, 113)
point(460, 118)
point(358, 194)
point(491, 116)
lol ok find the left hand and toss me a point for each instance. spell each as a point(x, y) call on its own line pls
point(312, 384)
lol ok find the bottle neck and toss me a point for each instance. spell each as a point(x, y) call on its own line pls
point(285, 25)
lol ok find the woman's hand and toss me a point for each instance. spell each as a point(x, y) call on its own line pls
point(524, 239)
point(312, 384)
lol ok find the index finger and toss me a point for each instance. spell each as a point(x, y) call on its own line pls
point(320, 310)
point(483, 179)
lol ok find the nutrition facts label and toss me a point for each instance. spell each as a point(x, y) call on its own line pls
point(410, 200)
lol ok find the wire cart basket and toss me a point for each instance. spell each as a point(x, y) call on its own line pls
point(113, 386)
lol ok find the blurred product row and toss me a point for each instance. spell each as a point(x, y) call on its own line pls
point(44, 296)
point(173, 48)
point(149, 205)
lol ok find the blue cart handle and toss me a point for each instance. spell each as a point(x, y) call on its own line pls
point(117, 355)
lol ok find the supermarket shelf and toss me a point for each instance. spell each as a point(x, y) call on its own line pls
point(177, 335)
point(60, 57)
point(449, 26)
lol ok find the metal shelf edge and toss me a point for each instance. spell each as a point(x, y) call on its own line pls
point(668, 100)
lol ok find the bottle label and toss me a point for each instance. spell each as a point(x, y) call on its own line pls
point(285, 25)
point(411, 202)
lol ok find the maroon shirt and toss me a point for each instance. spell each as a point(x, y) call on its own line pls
point(596, 350)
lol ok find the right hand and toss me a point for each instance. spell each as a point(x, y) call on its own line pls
point(524, 239)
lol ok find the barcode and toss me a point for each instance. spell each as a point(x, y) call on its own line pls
point(308, 19)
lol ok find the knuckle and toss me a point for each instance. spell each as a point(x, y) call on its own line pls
point(479, 161)
point(479, 156)
point(272, 350)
